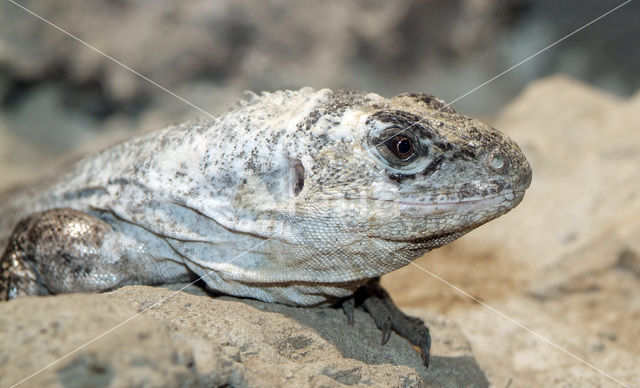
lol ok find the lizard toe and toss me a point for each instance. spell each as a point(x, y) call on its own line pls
point(387, 316)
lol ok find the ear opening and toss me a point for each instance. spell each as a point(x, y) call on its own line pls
point(297, 176)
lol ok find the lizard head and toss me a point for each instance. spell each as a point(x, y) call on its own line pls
point(409, 173)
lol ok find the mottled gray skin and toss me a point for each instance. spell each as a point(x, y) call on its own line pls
point(337, 188)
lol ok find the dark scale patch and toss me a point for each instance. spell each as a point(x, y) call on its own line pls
point(79, 270)
point(250, 165)
point(467, 153)
point(403, 120)
point(84, 193)
point(430, 100)
point(466, 191)
point(335, 107)
point(125, 181)
point(433, 166)
point(443, 145)
point(227, 179)
point(474, 132)
point(310, 120)
point(322, 138)
point(398, 117)
point(400, 177)
point(498, 184)
point(275, 136)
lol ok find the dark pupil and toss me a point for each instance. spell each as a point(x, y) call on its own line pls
point(402, 147)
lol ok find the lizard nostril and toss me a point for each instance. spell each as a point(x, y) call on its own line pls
point(496, 161)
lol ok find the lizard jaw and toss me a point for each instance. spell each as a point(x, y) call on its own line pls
point(507, 199)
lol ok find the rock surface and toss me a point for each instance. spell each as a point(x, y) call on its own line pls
point(566, 262)
point(194, 339)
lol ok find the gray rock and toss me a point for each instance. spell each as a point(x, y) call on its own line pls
point(194, 339)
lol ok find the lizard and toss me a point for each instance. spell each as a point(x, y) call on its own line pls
point(301, 197)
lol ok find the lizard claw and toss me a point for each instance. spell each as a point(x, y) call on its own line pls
point(425, 347)
point(348, 306)
point(386, 331)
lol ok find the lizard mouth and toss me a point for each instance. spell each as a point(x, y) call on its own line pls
point(429, 242)
point(507, 199)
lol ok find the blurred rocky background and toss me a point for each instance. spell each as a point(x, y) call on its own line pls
point(565, 263)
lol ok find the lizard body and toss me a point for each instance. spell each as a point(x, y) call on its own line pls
point(298, 197)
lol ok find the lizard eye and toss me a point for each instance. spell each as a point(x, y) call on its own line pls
point(401, 146)
point(401, 150)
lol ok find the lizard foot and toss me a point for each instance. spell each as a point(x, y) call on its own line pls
point(52, 252)
point(377, 302)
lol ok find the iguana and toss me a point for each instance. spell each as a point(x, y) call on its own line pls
point(299, 197)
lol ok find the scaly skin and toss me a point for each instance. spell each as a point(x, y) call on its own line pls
point(338, 188)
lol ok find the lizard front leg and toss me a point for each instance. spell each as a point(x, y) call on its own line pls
point(377, 302)
point(65, 250)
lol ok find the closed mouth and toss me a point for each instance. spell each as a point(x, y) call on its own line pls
point(508, 199)
point(505, 195)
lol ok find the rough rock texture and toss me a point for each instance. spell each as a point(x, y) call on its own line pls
point(566, 262)
point(195, 339)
